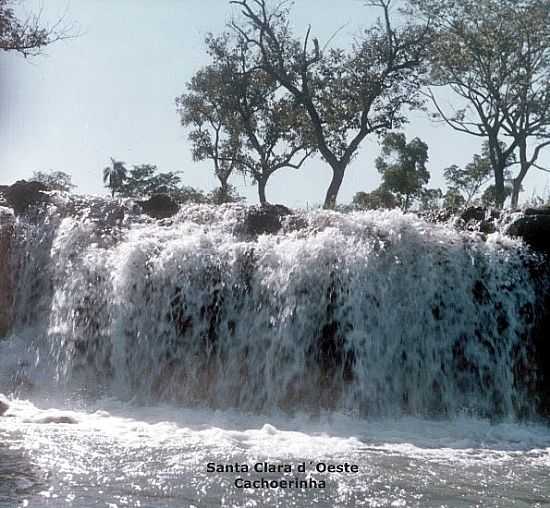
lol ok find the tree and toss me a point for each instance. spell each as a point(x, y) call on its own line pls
point(187, 194)
point(430, 198)
point(143, 180)
point(403, 167)
point(526, 108)
point(470, 180)
point(453, 199)
point(27, 36)
point(55, 180)
point(494, 55)
point(214, 136)
point(489, 196)
point(347, 94)
point(114, 176)
point(378, 198)
point(265, 130)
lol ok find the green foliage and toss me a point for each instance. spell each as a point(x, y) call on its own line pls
point(403, 167)
point(495, 56)
point(214, 133)
point(144, 180)
point(347, 94)
point(187, 194)
point(377, 199)
point(489, 197)
point(469, 181)
point(55, 180)
point(114, 176)
point(453, 198)
point(429, 199)
point(240, 120)
point(27, 36)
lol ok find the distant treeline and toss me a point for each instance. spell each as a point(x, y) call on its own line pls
point(269, 99)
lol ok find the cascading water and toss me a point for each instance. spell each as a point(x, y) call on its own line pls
point(371, 314)
point(406, 349)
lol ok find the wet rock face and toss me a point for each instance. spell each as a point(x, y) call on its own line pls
point(534, 228)
point(159, 206)
point(23, 194)
point(473, 213)
point(4, 404)
point(6, 280)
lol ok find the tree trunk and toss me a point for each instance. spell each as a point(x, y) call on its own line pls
point(500, 191)
point(524, 167)
point(516, 189)
point(407, 203)
point(334, 187)
point(224, 187)
point(261, 191)
point(498, 163)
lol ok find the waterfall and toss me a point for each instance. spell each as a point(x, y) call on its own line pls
point(371, 314)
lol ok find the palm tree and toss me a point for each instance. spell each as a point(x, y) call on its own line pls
point(114, 176)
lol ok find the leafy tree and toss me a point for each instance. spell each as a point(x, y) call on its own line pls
point(494, 55)
point(453, 198)
point(489, 196)
point(347, 94)
point(378, 198)
point(430, 198)
point(144, 180)
point(403, 167)
point(214, 135)
point(114, 176)
point(27, 36)
point(262, 127)
point(187, 194)
point(470, 180)
point(55, 180)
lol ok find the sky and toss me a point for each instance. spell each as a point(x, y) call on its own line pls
point(110, 92)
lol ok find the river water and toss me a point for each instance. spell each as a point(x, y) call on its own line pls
point(123, 455)
point(147, 356)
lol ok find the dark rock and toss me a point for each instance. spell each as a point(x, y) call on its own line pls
point(473, 213)
point(438, 216)
point(487, 227)
point(3, 189)
point(56, 418)
point(534, 230)
point(160, 206)
point(264, 219)
point(481, 293)
point(537, 211)
point(23, 194)
point(4, 405)
point(494, 213)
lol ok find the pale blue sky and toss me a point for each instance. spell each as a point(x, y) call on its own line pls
point(111, 91)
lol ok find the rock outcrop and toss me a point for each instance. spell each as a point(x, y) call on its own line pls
point(534, 228)
point(23, 194)
point(4, 405)
point(266, 219)
point(159, 206)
